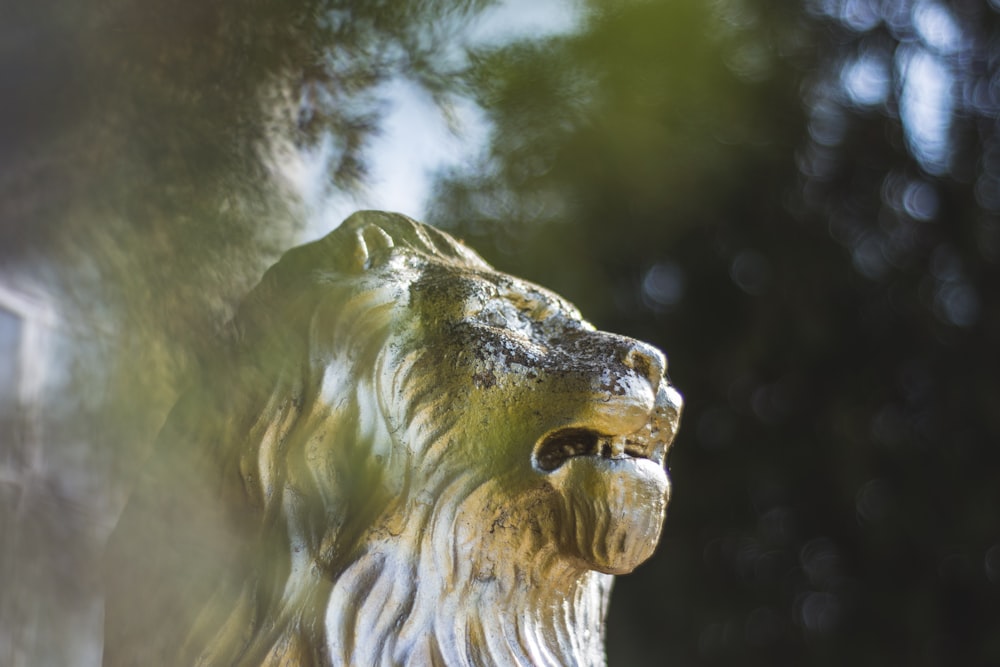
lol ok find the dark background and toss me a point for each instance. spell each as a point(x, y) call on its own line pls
point(798, 201)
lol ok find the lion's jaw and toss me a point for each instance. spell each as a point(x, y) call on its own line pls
point(614, 498)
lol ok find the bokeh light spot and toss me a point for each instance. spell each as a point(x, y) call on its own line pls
point(937, 27)
point(868, 255)
point(866, 80)
point(820, 560)
point(818, 612)
point(925, 107)
point(751, 272)
point(663, 285)
point(920, 201)
point(957, 303)
point(874, 501)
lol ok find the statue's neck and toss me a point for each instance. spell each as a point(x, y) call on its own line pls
point(558, 620)
point(458, 582)
point(381, 605)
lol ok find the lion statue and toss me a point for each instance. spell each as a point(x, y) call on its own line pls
point(402, 457)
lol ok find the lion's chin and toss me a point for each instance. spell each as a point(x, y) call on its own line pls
point(612, 510)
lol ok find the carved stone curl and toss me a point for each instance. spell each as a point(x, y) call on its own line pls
point(405, 458)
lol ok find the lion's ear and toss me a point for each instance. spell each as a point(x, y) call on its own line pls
point(370, 235)
point(371, 242)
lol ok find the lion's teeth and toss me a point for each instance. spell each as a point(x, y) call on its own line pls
point(636, 449)
point(617, 448)
point(563, 445)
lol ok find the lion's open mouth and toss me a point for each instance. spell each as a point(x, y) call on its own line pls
point(564, 444)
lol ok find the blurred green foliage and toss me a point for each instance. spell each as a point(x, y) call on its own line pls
point(142, 151)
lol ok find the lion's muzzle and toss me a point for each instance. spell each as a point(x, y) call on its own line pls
point(609, 465)
point(633, 412)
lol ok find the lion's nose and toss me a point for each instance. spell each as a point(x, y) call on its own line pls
point(645, 360)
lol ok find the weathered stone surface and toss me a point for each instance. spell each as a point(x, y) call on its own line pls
point(404, 457)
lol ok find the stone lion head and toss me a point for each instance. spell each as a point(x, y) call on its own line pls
point(403, 456)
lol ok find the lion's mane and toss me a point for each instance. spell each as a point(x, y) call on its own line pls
point(281, 522)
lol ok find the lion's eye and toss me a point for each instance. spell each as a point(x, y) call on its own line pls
point(495, 318)
point(503, 315)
